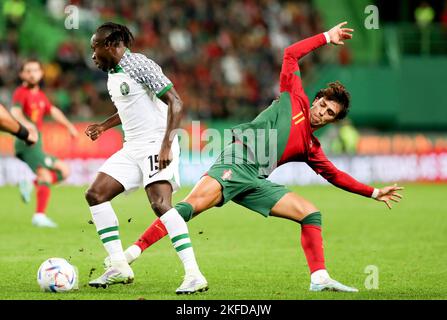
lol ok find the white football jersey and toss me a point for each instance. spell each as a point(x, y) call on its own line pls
point(135, 86)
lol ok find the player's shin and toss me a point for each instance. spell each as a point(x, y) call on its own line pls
point(312, 244)
point(178, 233)
point(106, 223)
point(43, 193)
point(157, 230)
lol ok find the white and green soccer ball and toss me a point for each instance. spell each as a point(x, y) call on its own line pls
point(57, 275)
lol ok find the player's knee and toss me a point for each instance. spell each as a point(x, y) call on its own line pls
point(309, 208)
point(65, 171)
point(94, 197)
point(43, 176)
point(160, 207)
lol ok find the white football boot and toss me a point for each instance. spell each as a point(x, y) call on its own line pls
point(26, 188)
point(192, 283)
point(132, 253)
point(41, 220)
point(331, 285)
point(119, 272)
point(321, 281)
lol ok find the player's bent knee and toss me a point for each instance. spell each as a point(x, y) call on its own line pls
point(160, 208)
point(94, 197)
point(43, 176)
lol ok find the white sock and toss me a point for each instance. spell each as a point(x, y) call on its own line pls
point(132, 253)
point(106, 224)
point(319, 276)
point(178, 232)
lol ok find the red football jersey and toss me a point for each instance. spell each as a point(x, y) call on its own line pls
point(35, 104)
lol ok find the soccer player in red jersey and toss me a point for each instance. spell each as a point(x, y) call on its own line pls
point(30, 105)
point(286, 127)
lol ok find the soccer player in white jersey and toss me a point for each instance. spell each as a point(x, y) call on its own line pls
point(149, 110)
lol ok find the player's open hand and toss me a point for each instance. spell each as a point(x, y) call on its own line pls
point(337, 34)
point(389, 193)
point(164, 157)
point(94, 131)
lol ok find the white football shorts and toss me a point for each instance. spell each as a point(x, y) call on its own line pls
point(136, 167)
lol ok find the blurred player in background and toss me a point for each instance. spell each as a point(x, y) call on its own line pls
point(29, 106)
point(11, 125)
point(149, 110)
point(239, 174)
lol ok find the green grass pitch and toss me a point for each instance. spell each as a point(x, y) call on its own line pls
point(242, 254)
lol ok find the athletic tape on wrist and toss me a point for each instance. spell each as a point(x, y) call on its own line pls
point(23, 133)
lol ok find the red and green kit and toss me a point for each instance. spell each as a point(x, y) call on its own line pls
point(35, 105)
point(280, 134)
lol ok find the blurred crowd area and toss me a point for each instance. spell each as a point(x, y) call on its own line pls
point(224, 56)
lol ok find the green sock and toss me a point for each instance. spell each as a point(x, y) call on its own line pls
point(185, 210)
point(313, 219)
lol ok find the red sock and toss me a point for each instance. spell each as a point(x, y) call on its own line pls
point(43, 195)
point(312, 243)
point(152, 234)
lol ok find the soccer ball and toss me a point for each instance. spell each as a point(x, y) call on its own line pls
point(57, 275)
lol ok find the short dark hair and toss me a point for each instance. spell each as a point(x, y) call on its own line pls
point(118, 33)
point(338, 93)
point(30, 60)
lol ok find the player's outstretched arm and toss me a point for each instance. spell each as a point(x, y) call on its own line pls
point(11, 125)
point(94, 131)
point(290, 71)
point(389, 193)
point(59, 116)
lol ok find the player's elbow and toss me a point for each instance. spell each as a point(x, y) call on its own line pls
point(177, 105)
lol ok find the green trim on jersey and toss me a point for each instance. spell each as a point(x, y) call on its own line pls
point(117, 69)
point(165, 89)
point(297, 73)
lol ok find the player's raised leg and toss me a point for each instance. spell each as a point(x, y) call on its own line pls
point(43, 192)
point(98, 196)
point(205, 194)
point(298, 209)
point(159, 194)
point(45, 178)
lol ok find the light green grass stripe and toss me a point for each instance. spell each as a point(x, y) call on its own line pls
point(102, 231)
point(105, 240)
point(183, 246)
point(180, 237)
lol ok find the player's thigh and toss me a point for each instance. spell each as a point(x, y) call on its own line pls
point(263, 197)
point(104, 188)
point(293, 207)
point(150, 167)
point(206, 194)
point(34, 157)
point(119, 173)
